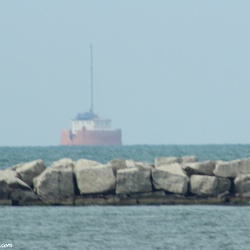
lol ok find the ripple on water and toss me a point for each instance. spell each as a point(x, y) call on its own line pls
point(138, 227)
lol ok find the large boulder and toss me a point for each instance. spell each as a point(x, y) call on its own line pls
point(85, 163)
point(174, 168)
point(118, 164)
point(4, 187)
point(244, 166)
point(28, 171)
point(133, 180)
point(130, 163)
point(188, 159)
point(143, 165)
point(19, 195)
point(227, 169)
point(56, 183)
point(11, 187)
point(170, 178)
point(159, 161)
point(231, 169)
point(242, 183)
point(203, 185)
point(200, 168)
point(94, 178)
point(62, 163)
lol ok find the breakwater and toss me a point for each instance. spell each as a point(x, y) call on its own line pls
point(169, 180)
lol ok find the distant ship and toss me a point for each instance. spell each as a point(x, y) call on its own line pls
point(89, 129)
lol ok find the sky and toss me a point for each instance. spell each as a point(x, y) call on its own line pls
point(165, 72)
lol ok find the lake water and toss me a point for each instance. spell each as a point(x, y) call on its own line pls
point(124, 227)
point(131, 227)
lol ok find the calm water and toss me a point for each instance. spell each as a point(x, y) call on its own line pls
point(136, 227)
point(13, 155)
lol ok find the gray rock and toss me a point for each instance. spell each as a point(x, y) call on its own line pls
point(133, 180)
point(117, 164)
point(84, 163)
point(143, 165)
point(4, 190)
point(130, 163)
point(244, 166)
point(170, 178)
point(11, 185)
point(28, 171)
point(8, 172)
point(6, 177)
point(227, 169)
point(245, 195)
point(94, 179)
point(62, 163)
point(134, 164)
point(188, 159)
point(10, 177)
point(159, 161)
point(18, 195)
point(242, 183)
point(231, 169)
point(203, 185)
point(56, 183)
point(174, 168)
point(200, 168)
point(14, 167)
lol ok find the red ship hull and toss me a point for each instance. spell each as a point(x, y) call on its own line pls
point(91, 137)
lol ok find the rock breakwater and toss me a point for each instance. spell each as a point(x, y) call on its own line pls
point(169, 180)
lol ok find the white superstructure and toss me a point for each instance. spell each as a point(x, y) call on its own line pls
point(92, 124)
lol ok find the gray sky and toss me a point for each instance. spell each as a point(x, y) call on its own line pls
point(166, 72)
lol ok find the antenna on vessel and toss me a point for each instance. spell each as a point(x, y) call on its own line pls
point(91, 71)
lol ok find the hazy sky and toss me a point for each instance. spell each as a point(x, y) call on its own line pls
point(165, 72)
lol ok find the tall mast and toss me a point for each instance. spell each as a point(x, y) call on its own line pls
point(91, 71)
